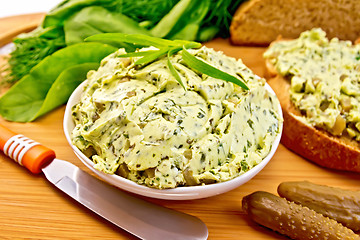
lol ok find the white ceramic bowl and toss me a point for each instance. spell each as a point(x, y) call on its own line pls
point(179, 193)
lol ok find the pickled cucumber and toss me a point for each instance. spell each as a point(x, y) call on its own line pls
point(293, 220)
point(339, 204)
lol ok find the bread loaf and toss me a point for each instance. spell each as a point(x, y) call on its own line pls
point(259, 22)
point(337, 149)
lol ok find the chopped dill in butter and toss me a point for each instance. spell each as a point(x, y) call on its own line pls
point(138, 122)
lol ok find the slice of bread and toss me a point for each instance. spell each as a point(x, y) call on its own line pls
point(259, 22)
point(314, 144)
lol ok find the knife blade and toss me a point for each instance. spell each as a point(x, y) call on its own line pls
point(136, 216)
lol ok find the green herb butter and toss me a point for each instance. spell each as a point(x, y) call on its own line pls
point(138, 122)
point(325, 83)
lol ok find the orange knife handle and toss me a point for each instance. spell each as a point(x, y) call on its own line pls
point(25, 151)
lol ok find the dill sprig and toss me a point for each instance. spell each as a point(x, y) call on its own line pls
point(28, 52)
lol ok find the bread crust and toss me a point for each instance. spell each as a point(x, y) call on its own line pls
point(313, 144)
point(259, 22)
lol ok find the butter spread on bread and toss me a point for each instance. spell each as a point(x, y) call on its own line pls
point(320, 79)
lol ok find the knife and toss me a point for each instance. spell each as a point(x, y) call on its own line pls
point(137, 216)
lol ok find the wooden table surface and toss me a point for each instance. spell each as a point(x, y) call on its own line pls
point(31, 208)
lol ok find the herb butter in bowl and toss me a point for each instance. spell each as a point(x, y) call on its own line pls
point(138, 128)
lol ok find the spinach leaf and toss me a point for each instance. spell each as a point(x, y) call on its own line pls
point(76, 31)
point(94, 20)
point(64, 85)
point(65, 9)
point(24, 100)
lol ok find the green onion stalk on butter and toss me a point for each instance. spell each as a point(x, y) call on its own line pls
point(140, 122)
point(325, 83)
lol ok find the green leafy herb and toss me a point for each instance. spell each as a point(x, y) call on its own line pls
point(136, 39)
point(95, 20)
point(64, 85)
point(67, 8)
point(172, 68)
point(170, 19)
point(186, 26)
point(30, 49)
point(146, 16)
point(152, 57)
point(217, 23)
point(166, 48)
point(73, 20)
point(50, 83)
point(207, 69)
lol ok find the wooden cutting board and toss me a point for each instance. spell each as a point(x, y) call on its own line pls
point(31, 208)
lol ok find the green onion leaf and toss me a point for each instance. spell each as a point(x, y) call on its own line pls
point(138, 39)
point(169, 47)
point(152, 57)
point(207, 69)
point(138, 54)
point(171, 66)
point(188, 45)
point(167, 23)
